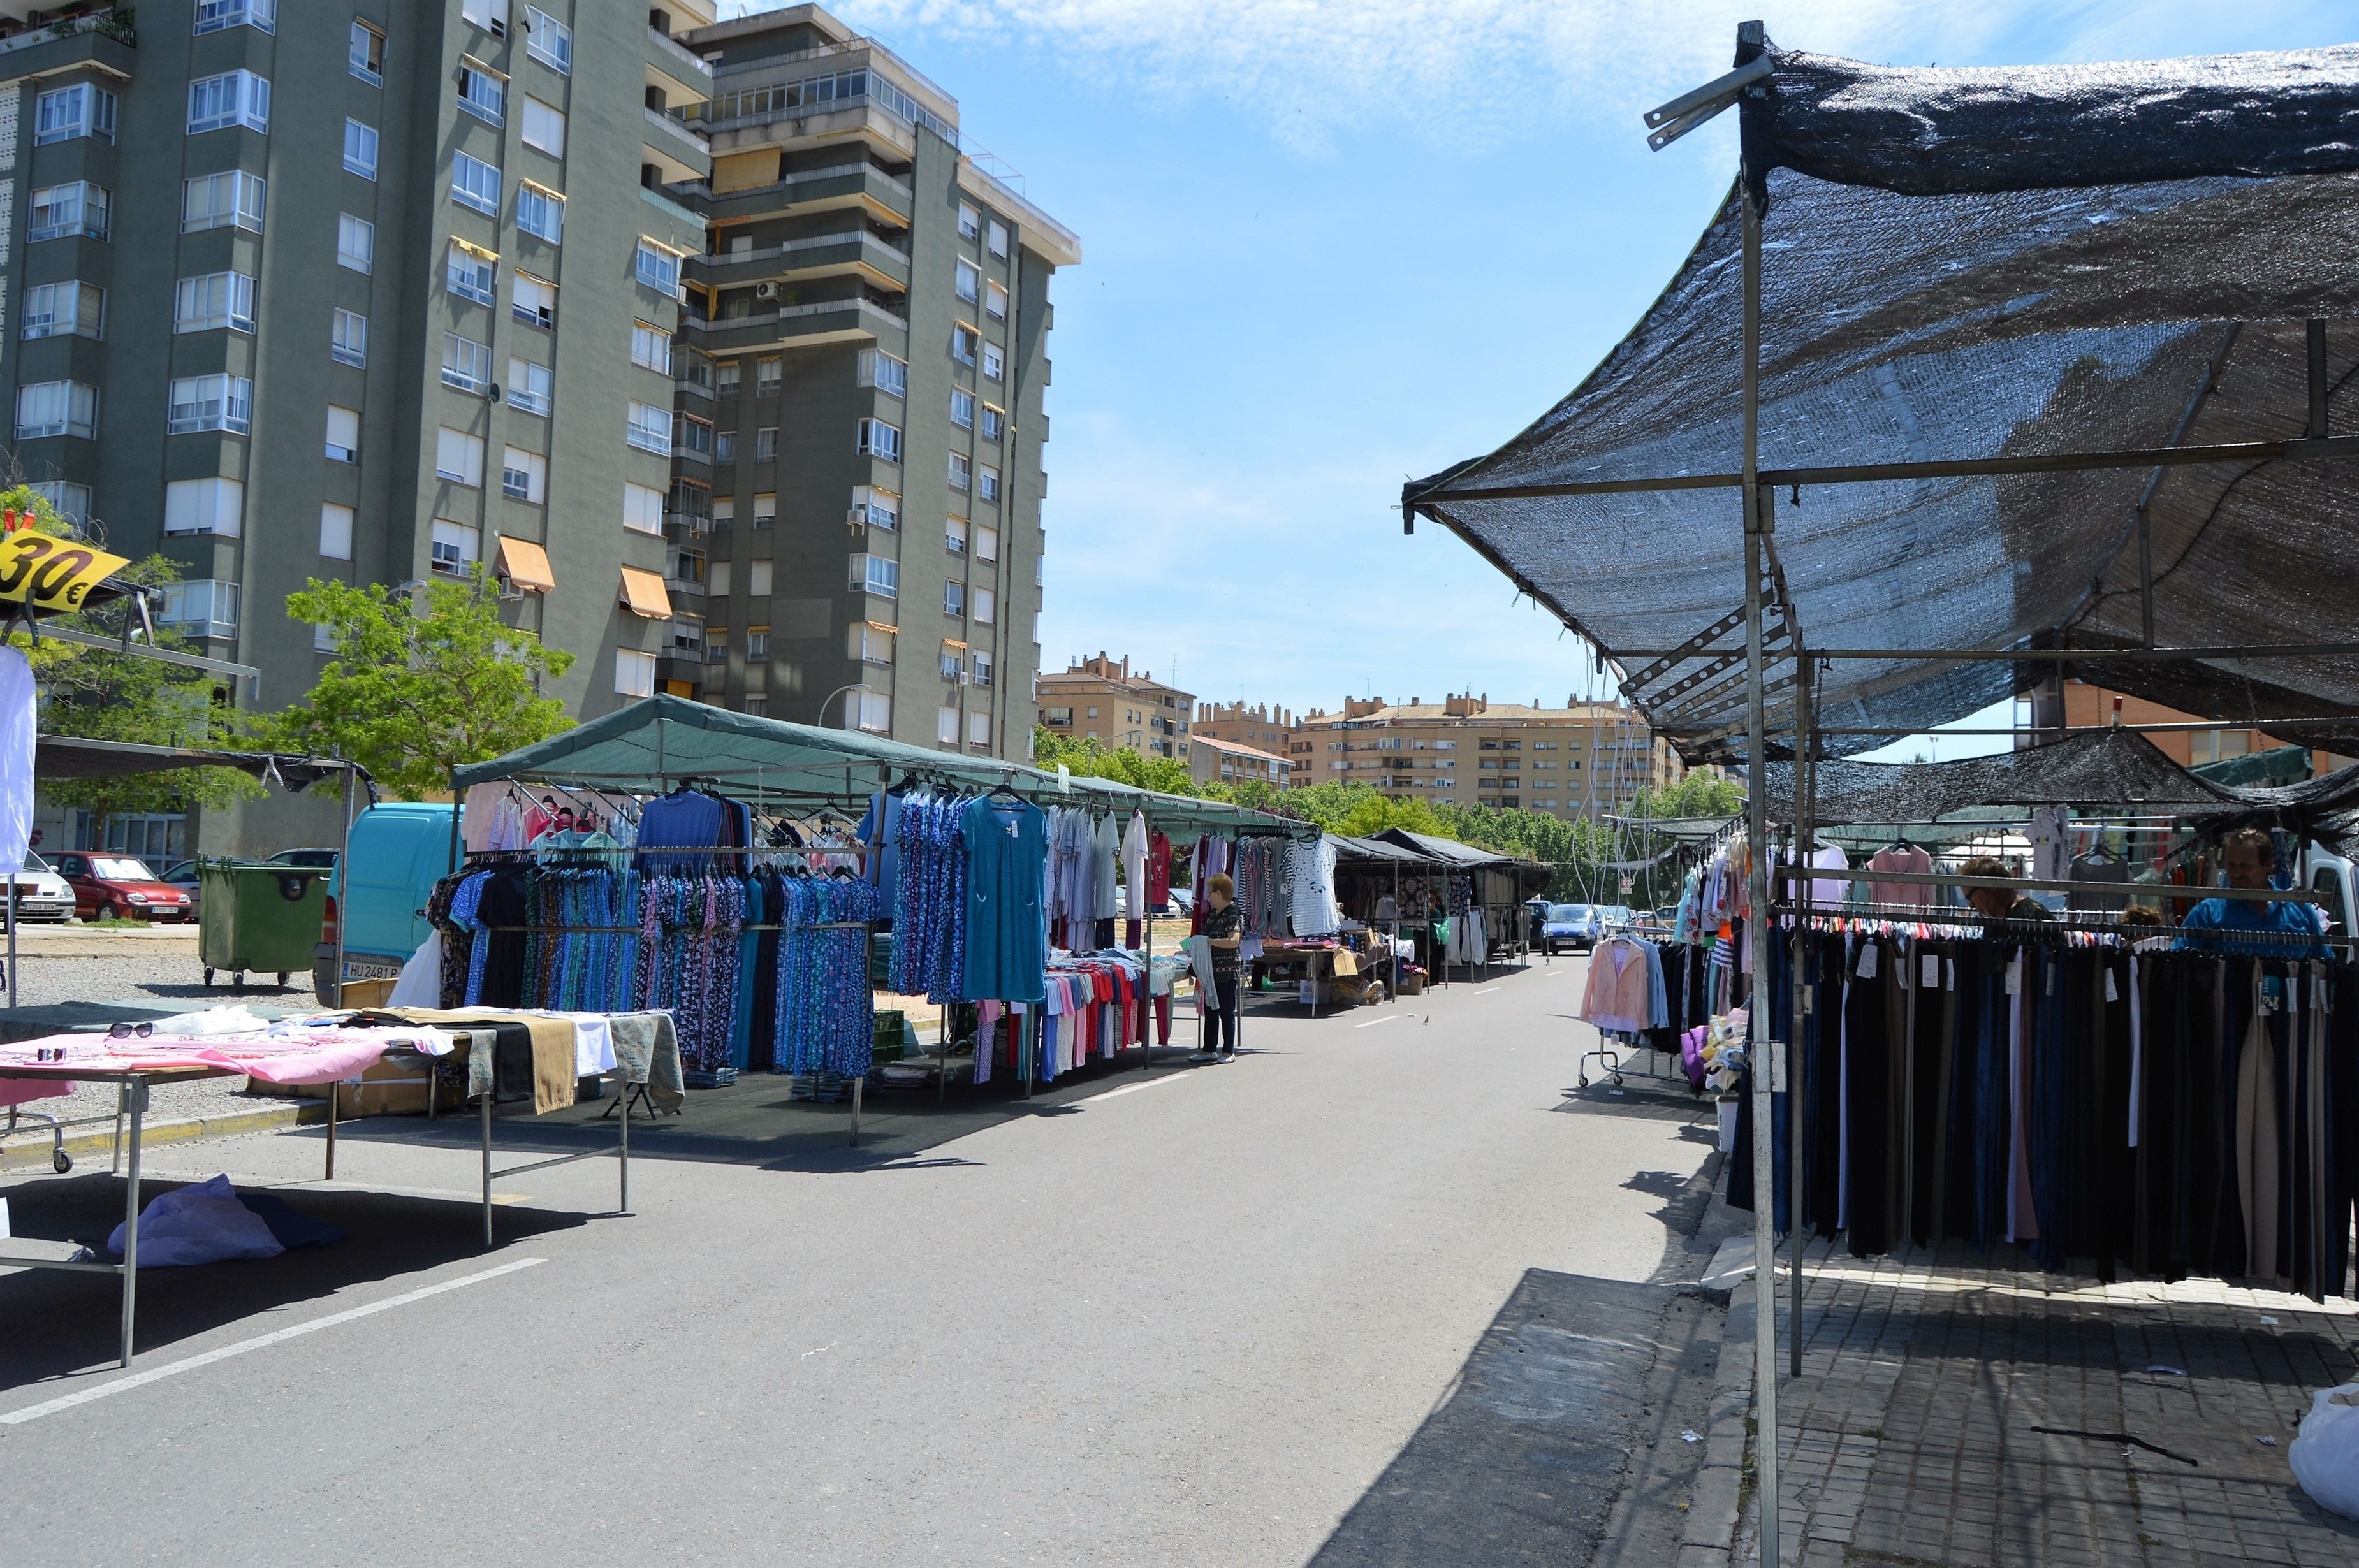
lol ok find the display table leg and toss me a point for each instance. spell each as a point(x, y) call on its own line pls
point(135, 1094)
point(332, 1087)
point(857, 1085)
point(487, 1169)
point(623, 1148)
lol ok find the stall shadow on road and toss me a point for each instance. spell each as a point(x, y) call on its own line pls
point(61, 1323)
point(1562, 1406)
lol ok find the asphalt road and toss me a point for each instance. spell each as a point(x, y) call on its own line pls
point(1189, 1317)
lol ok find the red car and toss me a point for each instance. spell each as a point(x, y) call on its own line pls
point(120, 887)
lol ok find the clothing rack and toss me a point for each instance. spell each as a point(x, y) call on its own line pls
point(1799, 874)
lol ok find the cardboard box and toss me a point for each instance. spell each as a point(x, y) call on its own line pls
point(389, 1086)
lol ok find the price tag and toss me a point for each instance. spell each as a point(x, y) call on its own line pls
point(2111, 992)
point(50, 573)
point(1867, 961)
point(2015, 977)
point(1929, 973)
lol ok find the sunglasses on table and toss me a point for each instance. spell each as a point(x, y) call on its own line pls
point(127, 1031)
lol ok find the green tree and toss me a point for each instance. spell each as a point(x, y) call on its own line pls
point(414, 693)
point(1088, 757)
point(100, 695)
point(1698, 794)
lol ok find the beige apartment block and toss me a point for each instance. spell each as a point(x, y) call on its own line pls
point(1099, 697)
point(1231, 761)
point(1263, 727)
point(1581, 760)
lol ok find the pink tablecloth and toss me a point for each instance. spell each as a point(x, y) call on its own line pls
point(317, 1057)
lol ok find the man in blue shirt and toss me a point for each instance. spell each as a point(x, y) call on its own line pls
point(2247, 855)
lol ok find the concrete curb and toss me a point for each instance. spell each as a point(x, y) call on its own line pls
point(28, 1150)
point(1717, 1504)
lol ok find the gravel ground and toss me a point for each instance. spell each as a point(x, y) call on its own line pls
point(154, 973)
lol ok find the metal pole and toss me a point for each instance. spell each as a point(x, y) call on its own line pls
point(857, 1085)
point(623, 1150)
point(1764, 1238)
point(455, 809)
point(136, 1092)
point(343, 884)
point(14, 976)
point(487, 1145)
point(331, 1173)
point(1805, 833)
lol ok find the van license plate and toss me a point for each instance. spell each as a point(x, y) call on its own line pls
point(371, 972)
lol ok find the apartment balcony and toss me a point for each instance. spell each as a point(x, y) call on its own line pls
point(850, 253)
point(679, 66)
point(854, 184)
point(106, 40)
point(827, 322)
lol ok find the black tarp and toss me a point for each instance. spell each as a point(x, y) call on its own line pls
point(1978, 264)
point(73, 757)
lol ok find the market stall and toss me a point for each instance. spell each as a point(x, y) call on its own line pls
point(1482, 896)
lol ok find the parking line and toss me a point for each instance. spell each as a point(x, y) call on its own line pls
point(1374, 1022)
point(260, 1342)
point(1134, 1088)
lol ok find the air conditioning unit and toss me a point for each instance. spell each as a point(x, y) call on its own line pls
point(766, 291)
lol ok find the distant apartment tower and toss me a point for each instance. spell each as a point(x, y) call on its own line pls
point(855, 523)
point(1216, 761)
point(1262, 727)
point(366, 291)
point(1099, 698)
point(1582, 760)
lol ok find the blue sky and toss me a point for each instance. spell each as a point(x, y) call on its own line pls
point(1331, 245)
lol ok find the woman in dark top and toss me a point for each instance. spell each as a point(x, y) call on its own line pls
point(1224, 931)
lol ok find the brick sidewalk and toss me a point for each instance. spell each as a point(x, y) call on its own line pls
point(1909, 1439)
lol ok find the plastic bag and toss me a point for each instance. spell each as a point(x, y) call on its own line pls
point(1692, 1056)
point(203, 1224)
point(2325, 1455)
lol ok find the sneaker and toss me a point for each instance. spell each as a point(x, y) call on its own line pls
point(1203, 1056)
point(1228, 1057)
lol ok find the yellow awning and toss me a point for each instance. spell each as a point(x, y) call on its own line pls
point(525, 565)
point(643, 594)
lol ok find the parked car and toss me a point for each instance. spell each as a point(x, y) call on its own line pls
point(182, 874)
point(40, 893)
point(121, 887)
point(1184, 900)
point(309, 859)
point(1573, 925)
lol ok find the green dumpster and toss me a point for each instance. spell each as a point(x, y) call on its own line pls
point(265, 918)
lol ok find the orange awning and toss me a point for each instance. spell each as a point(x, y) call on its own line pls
point(525, 565)
point(643, 594)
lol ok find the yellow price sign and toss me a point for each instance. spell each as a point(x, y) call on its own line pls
point(50, 573)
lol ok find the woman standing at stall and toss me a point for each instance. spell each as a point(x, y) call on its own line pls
point(1224, 934)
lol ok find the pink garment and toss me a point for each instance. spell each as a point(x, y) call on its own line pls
point(1911, 860)
point(318, 1056)
point(1620, 994)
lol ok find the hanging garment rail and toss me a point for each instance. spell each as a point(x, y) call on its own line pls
point(2045, 884)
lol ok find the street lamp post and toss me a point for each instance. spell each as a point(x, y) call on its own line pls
point(838, 691)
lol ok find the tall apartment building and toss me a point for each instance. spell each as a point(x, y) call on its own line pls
point(367, 291)
point(1215, 760)
point(1581, 760)
point(854, 520)
point(2087, 706)
point(1099, 698)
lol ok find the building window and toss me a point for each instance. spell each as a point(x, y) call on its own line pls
point(635, 672)
point(355, 242)
point(769, 372)
point(540, 212)
point(993, 366)
point(658, 268)
point(650, 347)
point(716, 644)
point(455, 547)
point(336, 530)
point(492, 15)
point(234, 98)
point(470, 271)
point(474, 183)
point(693, 434)
point(366, 54)
point(360, 149)
point(649, 428)
point(214, 506)
point(482, 92)
point(952, 661)
point(994, 422)
point(204, 608)
point(459, 457)
point(466, 364)
point(989, 490)
point(955, 535)
point(65, 311)
point(215, 15)
point(1056, 718)
point(532, 300)
point(523, 476)
point(955, 598)
point(964, 340)
point(987, 548)
point(544, 127)
point(766, 444)
point(981, 669)
point(757, 642)
point(348, 340)
point(84, 110)
point(724, 448)
point(961, 409)
point(978, 728)
point(528, 386)
point(643, 508)
point(343, 434)
point(995, 301)
point(210, 403)
point(970, 222)
point(217, 299)
point(548, 40)
point(879, 439)
point(876, 575)
point(71, 212)
point(872, 643)
point(998, 239)
point(970, 280)
point(986, 607)
point(766, 510)
point(962, 471)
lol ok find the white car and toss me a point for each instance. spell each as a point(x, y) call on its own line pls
point(40, 893)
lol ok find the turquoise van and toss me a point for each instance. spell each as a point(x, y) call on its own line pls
point(399, 852)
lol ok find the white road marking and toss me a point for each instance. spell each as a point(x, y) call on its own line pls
point(1374, 1022)
point(1134, 1088)
point(1486, 990)
point(260, 1342)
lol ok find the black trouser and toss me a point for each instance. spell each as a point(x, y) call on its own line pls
point(1221, 1023)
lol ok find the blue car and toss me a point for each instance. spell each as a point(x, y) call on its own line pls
point(1573, 925)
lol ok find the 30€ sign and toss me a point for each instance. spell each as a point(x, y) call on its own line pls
point(50, 573)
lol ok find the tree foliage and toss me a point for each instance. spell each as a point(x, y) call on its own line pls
point(103, 696)
point(414, 693)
